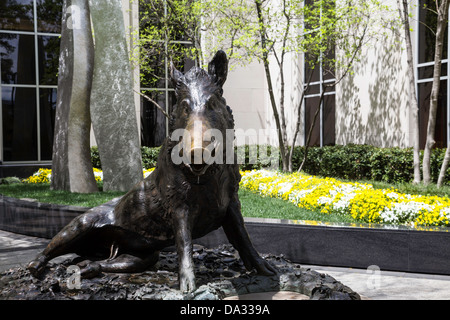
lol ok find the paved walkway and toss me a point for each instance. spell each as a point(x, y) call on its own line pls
point(371, 284)
point(387, 285)
point(16, 249)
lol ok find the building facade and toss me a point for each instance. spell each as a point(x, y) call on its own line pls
point(369, 106)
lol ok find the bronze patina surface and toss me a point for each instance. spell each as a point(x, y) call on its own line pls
point(177, 202)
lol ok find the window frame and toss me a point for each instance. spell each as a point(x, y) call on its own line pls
point(419, 65)
point(320, 83)
point(37, 86)
point(166, 90)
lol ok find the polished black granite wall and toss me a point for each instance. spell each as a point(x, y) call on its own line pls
point(344, 245)
point(396, 249)
point(33, 218)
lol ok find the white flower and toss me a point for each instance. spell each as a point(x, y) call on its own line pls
point(284, 187)
point(324, 200)
point(392, 195)
point(98, 174)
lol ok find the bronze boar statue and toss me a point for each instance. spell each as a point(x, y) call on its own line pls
point(179, 201)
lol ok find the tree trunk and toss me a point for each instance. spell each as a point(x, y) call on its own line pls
point(442, 12)
point(404, 15)
point(281, 142)
point(297, 126)
point(444, 168)
point(311, 128)
point(71, 160)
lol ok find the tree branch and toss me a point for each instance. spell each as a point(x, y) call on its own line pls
point(154, 102)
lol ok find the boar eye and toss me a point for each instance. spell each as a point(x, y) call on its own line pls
point(184, 105)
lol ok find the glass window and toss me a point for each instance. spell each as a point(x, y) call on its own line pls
point(425, 50)
point(330, 88)
point(172, 100)
point(25, 136)
point(157, 49)
point(321, 72)
point(49, 14)
point(153, 74)
point(427, 71)
point(178, 23)
point(328, 68)
point(311, 105)
point(329, 120)
point(158, 13)
point(16, 15)
point(313, 89)
point(19, 124)
point(441, 117)
point(427, 27)
point(17, 59)
point(180, 57)
point(48, 48)
point(311, 68)
point(47, 109)
point(153, 121)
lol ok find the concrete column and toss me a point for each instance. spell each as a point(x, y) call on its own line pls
point(112, 100)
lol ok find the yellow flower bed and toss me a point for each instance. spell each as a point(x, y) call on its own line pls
point(45, 175)
point(41, 176)
point(361, 201)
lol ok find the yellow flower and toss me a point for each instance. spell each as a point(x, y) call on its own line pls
point(361, 201)
point(44, 175)
point(41, 176)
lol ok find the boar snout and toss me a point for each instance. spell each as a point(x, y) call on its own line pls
point(199, 160)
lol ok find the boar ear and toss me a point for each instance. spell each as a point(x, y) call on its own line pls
point(218, 67)
point(174, 74)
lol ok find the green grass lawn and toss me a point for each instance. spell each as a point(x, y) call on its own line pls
point(42, 193)
point(253, 205)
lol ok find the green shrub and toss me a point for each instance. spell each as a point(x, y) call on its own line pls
point(347, 162)
point(392, 165)
point(95, 158)
point(364, 162)
point(149, 157)
point(255, 157)
point(10, 180)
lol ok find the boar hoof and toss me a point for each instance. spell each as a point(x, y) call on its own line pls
point(91, 270)
point(36, 267)
point(187, 283)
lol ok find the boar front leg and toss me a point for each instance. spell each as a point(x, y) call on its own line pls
point(236, 233)
point(183, 240)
